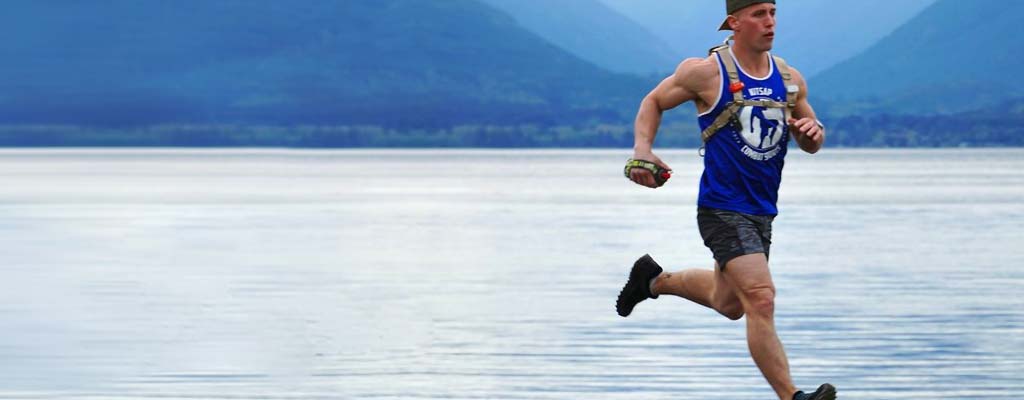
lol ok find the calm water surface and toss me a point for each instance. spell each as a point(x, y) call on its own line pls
point(283, 274)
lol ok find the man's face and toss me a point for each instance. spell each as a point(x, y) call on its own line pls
point(755, 26)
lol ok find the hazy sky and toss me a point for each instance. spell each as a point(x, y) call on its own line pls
point(812, 34)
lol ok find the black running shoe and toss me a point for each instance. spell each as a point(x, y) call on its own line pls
point(637, 288)
point(824, 392)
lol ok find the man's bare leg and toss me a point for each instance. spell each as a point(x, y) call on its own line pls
point(705, 287)
point(745, 287)
point(752, 280)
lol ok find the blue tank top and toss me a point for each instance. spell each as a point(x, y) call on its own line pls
point(743, 169)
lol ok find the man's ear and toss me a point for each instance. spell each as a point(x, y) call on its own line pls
point(732, 21)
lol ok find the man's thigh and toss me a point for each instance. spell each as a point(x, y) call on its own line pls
point(749, 272)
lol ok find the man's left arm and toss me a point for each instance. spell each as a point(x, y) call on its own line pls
point(804, 125)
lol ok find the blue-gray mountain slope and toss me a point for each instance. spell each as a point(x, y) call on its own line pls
point(955, 56)
point(594, 32)
point(405, 63)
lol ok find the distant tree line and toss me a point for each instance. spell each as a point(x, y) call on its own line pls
point(851, 131)
point(961, 130)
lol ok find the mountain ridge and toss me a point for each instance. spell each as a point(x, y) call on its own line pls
point(388, 62)
point(594, 32)
point(932, 64)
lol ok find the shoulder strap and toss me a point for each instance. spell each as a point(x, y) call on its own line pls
point(787, 77)
point(728, 115)
point(792, 90)
point(783, 68)
point(732, 72)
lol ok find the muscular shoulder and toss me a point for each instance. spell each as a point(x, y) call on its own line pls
point(698, 74)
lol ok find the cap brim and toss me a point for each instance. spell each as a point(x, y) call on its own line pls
point(725, 25)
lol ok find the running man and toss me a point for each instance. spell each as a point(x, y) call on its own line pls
point(749, 104)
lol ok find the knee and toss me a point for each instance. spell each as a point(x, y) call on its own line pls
point(760, 302)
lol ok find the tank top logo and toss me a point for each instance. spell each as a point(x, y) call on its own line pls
point(762, 130)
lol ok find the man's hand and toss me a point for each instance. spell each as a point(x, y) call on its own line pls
point(808, 134)
point(642, 176)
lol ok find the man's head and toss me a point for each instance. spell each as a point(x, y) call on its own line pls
point(752, 21)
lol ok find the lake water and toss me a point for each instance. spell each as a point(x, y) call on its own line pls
point(281, 274)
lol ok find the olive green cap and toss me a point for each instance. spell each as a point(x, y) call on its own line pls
point(732, 6)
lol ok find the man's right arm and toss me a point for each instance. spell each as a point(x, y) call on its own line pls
point(682, 86)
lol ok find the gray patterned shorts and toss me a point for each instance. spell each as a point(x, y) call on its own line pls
point(730, 234)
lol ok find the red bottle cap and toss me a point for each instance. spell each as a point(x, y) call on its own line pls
point(665, 175)
point(735, 87)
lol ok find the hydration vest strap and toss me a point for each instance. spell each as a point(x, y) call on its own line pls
point(727, 117)
point(792, 90)
point(731, 112)
point(730, 115)
point(787, 76)
point(732, 72)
